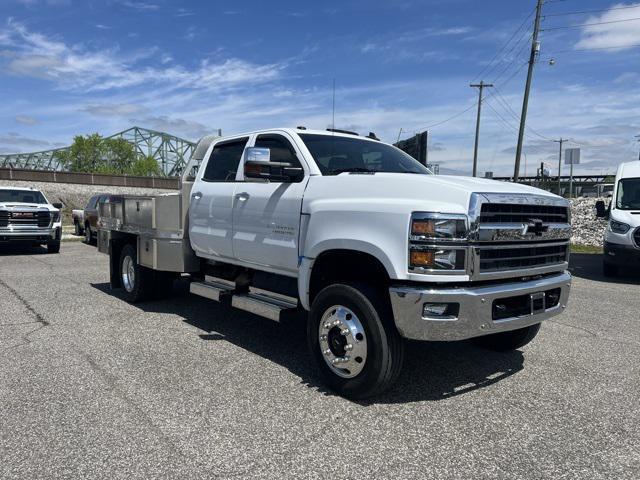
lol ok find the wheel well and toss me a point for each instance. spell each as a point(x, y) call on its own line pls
point(115, 248)
point(336, 266)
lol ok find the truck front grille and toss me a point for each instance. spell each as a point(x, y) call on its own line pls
point(522, 213)
point(40, 219)
point(516, 257)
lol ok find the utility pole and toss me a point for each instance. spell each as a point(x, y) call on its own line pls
point(480, 86)
point(638, 137)
point(535, 48)
point(561, 141)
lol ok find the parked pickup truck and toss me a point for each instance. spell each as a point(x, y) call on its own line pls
point(26, 216)
point(85, 221)
point(622, 235)
point(356, 233)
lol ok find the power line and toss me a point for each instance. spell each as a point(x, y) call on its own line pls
point(450, 118)
point(589, 24)
point(504, 45)
point(589, 11)
point(515, 57)
point(508, 107)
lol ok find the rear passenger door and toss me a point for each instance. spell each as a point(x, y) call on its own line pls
point(212, 199)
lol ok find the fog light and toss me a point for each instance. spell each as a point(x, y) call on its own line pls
point(434, 309)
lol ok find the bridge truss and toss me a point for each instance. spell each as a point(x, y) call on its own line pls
point(172, 153)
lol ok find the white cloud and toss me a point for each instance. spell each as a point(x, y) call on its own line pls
point(616, 36)
point(26, 120)
point(120, 109)
point(74, 67)
point(143, 6)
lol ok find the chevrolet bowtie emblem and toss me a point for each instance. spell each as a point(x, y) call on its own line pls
point(534, 226)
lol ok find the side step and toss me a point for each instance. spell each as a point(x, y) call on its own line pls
point(273, 306)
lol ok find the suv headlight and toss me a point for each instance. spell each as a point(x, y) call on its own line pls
point(618, 227)
point(437, 243)
point(55, 217)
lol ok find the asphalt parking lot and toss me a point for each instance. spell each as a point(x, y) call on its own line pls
point(92, 387)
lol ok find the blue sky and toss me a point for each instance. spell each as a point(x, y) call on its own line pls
point(71, 67)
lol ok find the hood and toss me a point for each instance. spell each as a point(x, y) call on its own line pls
point(630, 217)
point(25, 206)
point(443, 193)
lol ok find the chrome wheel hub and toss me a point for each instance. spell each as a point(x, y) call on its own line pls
point(128, 274)
point(343, 342)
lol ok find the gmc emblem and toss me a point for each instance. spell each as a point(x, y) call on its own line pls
point(22, 215)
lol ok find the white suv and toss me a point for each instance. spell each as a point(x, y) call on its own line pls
point(26, 216)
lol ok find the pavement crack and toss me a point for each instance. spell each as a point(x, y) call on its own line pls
point(595, 335)
point(37, 317)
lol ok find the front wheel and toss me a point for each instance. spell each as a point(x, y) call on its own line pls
point(88, 236)
point(609, 270)
point(353, 338)
point(53, 247)
point(506, 341)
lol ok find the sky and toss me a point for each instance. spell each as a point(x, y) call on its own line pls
point(75, 67)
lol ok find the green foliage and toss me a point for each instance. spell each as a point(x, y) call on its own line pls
point(95, 154)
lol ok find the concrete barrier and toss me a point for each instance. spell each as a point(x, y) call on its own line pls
point(170, 183)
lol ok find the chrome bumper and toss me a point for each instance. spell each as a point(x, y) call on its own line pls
point(475, 314)
point(29, 234)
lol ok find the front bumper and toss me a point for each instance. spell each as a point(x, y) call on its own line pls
point(476, 310)
point(621, 255)
point(30, 234)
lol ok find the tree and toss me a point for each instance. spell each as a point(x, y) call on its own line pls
point(95, 154)
point(145, 167)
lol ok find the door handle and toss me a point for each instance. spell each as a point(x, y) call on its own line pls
point(244, 196)
point(196, 195)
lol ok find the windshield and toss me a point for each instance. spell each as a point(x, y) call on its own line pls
point(335, 154)
point(21, 196)
point(628, 194)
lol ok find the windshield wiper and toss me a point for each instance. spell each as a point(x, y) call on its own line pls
point(352, 169)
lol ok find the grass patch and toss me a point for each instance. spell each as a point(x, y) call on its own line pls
point(575, 248)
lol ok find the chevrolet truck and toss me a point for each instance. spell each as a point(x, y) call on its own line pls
point(27, 217)
point(356, 234)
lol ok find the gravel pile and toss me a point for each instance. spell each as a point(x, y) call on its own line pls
point(587, 229)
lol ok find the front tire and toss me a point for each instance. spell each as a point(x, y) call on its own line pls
point(609, 270)
point(88, 236)
point(354, 341)
point(53, 247)
point(137, 281)
point(507, 341)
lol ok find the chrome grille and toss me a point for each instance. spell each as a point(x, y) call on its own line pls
point(513, 257)
point(40, 219)
point(518, 234)
point(522, 213)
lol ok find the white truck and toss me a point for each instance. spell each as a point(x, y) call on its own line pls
point(27, 217)
point(356, 233)
point(622, 235)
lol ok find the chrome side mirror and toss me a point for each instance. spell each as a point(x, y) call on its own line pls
point(258, 165)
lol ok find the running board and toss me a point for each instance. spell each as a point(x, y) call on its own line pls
point(266, 304)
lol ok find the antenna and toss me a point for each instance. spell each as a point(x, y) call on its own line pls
point(333, 109)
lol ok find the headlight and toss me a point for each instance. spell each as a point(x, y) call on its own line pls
point(434, 226)
point(618, 227)
point(55, 217)
point(436, 258)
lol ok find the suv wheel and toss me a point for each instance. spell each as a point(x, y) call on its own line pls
point(353, 338)
point(53, 247)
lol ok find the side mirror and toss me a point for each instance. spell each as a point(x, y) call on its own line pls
point(601, 210)
point(257, 165)
point(57, 205)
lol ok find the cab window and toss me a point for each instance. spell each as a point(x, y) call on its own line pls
point(224, 160)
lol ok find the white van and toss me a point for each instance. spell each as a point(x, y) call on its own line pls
point(622, 236)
